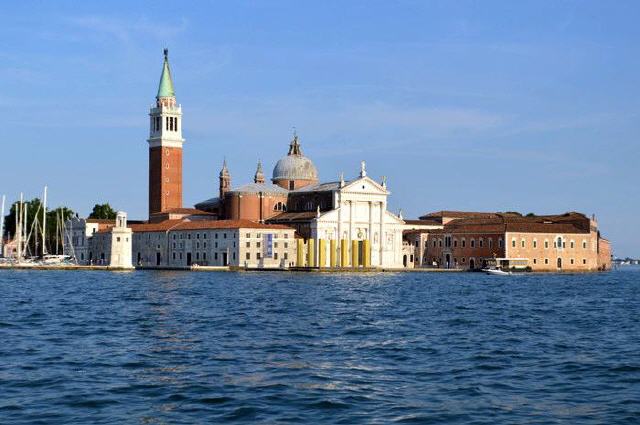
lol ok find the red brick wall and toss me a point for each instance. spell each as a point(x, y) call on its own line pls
point(461, 251)
point(165, 179)
point(573, 256)
point(604, 254)
point(297, 184)
point(247, 206)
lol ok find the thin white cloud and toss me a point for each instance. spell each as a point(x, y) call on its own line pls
point(126, 30)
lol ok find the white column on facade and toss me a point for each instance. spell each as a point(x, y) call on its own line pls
point(370, 231)
point(382, 239)
point(350, 220)
point(340, 208)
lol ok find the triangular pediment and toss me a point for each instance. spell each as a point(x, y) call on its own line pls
point(365, 185)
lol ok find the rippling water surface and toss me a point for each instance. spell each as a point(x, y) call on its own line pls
point(179, 347)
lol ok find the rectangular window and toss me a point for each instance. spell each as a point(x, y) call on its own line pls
point(248, 256)
point(546, 261)
point(215, 255)
point(286, 256)
point(522, 243)
point(248, 244)
point(513, 243)
point(248, 235)
point(286, 245)
point(275, 255)
point(258, 244)
point(216, 236)
point(535, 244)
point(224, 236)
point(584, 244)
point(174, 255)
point(546, 244)
point(257, 255)
point(571, 244)
point(500, 243)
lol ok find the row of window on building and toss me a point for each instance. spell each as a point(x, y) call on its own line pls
point(448, 242)
point(558, 243)
point(473, 263)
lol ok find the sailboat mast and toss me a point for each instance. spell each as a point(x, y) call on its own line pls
point(18, 234)
point(57, 229)
point(25, 227)
point(44, 222)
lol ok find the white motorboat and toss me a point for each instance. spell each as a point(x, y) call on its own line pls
point(498, 272)
point(55, 259)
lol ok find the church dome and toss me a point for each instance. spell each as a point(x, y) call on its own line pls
point(295, 166)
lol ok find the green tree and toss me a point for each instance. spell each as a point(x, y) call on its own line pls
point(103, 211)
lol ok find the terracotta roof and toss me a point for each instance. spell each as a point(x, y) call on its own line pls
point(101, 220)
point(425, 222)
point(168, 225)
point(456, 214)
point(571, 222)
point(191, 211)
point(294, 216)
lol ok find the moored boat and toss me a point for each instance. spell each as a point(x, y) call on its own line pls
point(498, 272)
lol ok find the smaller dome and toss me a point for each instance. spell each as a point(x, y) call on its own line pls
point(295, 166)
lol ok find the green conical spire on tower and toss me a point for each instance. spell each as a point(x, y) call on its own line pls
point(165, 89)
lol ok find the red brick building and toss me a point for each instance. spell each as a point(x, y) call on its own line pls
point(564, 242)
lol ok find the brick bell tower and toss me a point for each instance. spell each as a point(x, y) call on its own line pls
point(165, 146)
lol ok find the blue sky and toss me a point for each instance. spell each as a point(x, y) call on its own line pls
point(469, 105)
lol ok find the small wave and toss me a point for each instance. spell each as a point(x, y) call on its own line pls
point(215, 400)
point(329, 405)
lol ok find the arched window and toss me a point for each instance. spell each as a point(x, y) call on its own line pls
point(279, 206)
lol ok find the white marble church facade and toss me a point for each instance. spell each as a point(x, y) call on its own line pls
point(361, 214)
